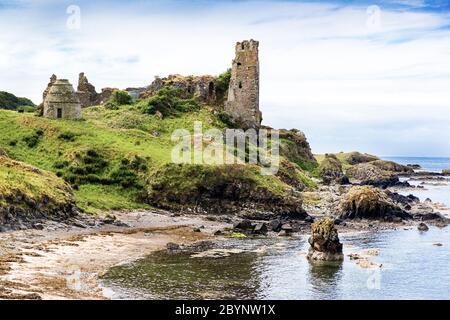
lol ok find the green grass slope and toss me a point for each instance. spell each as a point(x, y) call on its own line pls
point(111, 157)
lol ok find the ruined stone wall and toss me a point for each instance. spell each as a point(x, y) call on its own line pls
point(49, 85)
point(201, 87)
point(243, 93)
point(86, 92)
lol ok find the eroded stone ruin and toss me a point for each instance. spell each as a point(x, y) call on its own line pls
point(243, 93)
point(201, 87)
point(87, 94)
point(61, 102)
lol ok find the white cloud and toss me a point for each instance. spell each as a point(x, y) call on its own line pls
point(323, 70)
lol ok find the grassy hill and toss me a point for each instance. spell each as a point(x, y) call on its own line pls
point(117, 158)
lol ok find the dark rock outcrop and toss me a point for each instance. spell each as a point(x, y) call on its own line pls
point(369, 174)
point(405, 201)
point(369, 203)
point(324, 241)
point(392, 167)
point(227, 189)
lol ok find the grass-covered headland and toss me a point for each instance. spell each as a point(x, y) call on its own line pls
point(119, 157)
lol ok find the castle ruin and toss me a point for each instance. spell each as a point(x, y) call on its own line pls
point(61, 102)
point(88, 95)
point(243, 93)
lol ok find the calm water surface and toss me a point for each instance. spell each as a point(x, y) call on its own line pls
point(413, 268)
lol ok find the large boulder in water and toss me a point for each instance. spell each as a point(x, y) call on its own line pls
point(324, 241)
point(370, 203)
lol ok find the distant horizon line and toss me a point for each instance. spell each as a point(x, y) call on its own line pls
point(419, 157)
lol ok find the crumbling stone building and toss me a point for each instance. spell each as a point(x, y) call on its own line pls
point(87, 94)
point(243, 93)
point(201, 87)
point(61, 102)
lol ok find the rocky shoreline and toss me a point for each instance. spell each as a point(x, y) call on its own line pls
point(42, 263)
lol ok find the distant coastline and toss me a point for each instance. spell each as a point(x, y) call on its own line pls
point(434, 164)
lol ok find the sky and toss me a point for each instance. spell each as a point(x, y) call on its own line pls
point(372, 76)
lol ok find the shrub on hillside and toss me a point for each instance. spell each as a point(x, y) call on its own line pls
point(67, 136)
point(91, 167)
point(168, 102)
point(222, 82)
point(33, 139)
point(121, 97)
point(118, 98)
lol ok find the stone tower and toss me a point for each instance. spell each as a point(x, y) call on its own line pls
point(243, 93)
point(61, 102)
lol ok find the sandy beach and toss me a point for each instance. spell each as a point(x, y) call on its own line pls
point(66, 263)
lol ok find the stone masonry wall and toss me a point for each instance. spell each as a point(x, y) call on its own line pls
point(243, 93)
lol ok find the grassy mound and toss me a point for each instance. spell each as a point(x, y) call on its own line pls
point(294, 176)
point(27, 192)
point(295, 147)
point(349, 159)
point(220, 189)
point(330, 169)
point(109, 156)
point(392, 166)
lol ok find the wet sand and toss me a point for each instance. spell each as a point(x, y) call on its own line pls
point(66, 263)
